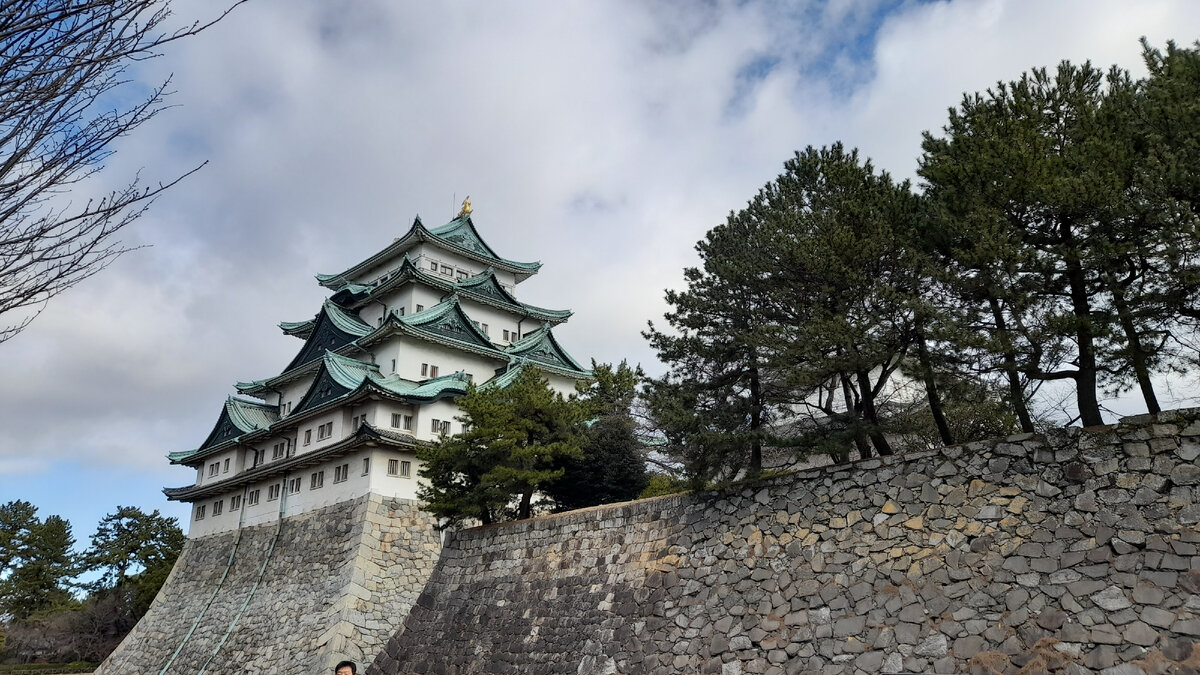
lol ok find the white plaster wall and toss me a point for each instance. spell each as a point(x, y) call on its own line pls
point(295, 390)
point(497, 320)
point(410, 353)
point(357, 483)
point(394, 486)
point(441, 410)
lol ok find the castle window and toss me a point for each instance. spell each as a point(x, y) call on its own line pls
point(396, 420)
point(235, 502)
point(225, 469)
point(393, 366)
point(432, 266)
point(213, 468)
point(393, 467)
point(317, 480)
point(401, 311)
point(293, 486)
point(462, 274)
point(424, 370)
point(506, 335)
point(408, 422)
point(218, 506)
point(405, 469)
point(278, 450)
point(273, 492)
point(324, 431)
point(420, 308)
point(366, 465)
point(433, 371)
point(307, 436)
point(341, 473)
point(435, 425)
point(447, 270)
point(200, 509)
point(252, 498)
point(445, 427)
point(483, 328)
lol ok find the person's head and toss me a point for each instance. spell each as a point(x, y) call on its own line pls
point(345, 668)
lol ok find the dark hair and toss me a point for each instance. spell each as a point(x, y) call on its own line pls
point(343, 664)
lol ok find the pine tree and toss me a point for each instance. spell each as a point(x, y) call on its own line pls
point(612, 467)
point(39, 562)
point(715, 403)
point(514, 440)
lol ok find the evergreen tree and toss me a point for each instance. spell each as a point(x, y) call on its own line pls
point(715, 403)
point(841, 288)
point(1045, 164)
point(39, 562)
point(514, 440)
point(612, 468)
point(134, 551)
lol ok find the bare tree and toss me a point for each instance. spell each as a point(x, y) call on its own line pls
point(63, 82)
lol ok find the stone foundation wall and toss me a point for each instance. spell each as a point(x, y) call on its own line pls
point(1072, 552)
point(336, 584)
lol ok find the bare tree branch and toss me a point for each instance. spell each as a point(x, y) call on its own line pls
point(62, 64)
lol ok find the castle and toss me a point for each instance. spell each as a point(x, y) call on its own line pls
point(402, 335)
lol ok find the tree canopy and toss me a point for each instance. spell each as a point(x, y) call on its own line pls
point(1053, 239)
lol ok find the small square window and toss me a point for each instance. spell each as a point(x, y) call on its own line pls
point(393, 467)
point(341, 473)
point(424, 370)
point(317, 480)
point(420, 308)
point(405, 469)
point(435, 425)
point(200, 511)
point(252, 498)
point(218, 507)
point(293, 486)
point(445, 427)
point(366, 465)
point(506, 335)
point(433, 371)
point(307, 436)
point(433, 266)
point(235, 502)
point(483, 328)
point(462, 274)
point(225, 468)
point(447, 270)
point(273, 492)
point(408, 422)
point(396, 420)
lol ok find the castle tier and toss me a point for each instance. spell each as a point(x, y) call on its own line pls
point(402, 335)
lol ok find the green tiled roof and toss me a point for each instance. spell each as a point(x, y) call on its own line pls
point(298, 328)
point(333, 327)
point(462, 233)
point(542, 347)
point(238, 417)
point(339, 376)
point(459, 235)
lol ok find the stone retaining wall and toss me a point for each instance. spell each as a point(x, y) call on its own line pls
point(336, 585)
point(1072, 552)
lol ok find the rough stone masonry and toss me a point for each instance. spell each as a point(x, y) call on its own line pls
point(1071, 552)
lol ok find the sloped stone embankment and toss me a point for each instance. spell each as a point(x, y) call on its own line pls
point(330, 586)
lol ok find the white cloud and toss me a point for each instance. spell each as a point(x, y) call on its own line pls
point(603, 138)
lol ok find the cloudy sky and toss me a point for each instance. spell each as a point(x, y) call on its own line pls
point(602, 138)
